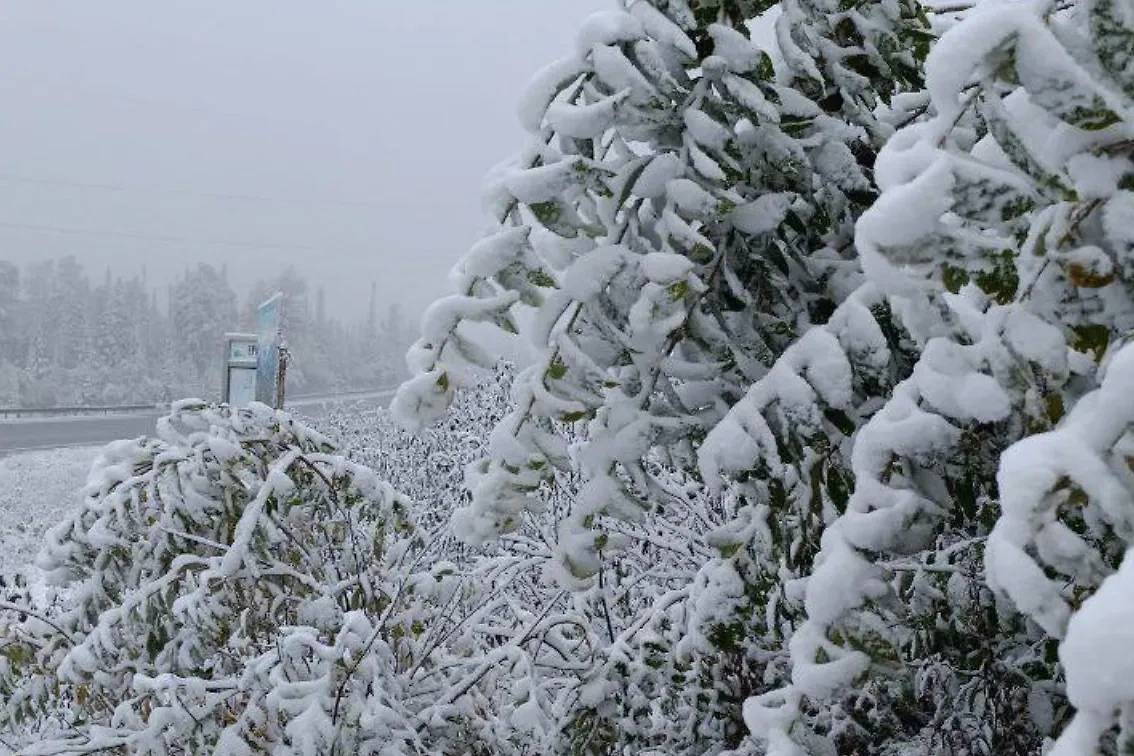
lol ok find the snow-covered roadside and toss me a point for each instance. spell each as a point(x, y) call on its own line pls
point(36, 489)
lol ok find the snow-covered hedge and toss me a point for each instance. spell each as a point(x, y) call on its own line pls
point(882, 332)
point(234, 586)
point(239, 582)
point(653, 662)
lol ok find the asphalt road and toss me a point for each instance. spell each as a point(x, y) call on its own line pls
point(57, 432)
point(33, 434)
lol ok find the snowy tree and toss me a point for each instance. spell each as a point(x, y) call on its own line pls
point(114, 352)
point(11, 379)
point(1000, 239)
point(36, 323)
point(682, 219)
point(68, 342)
point(202, 309)
point(679, 219)
point(68, 312)
point(11, 345)
point(9, 300)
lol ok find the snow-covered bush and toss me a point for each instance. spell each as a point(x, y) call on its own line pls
point(942, 593)
point(1060, 551)
point(681, 215)
point(582, 706)
point(322, 638)
point(235, 586)
point(429, 466)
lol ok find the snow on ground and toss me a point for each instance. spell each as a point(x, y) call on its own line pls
point(36, 490)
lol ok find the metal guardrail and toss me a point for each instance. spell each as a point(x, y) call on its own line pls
point(310, 398)
point(130, 409)
point(11, 413)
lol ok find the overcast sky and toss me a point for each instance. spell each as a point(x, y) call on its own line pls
point(348, 137)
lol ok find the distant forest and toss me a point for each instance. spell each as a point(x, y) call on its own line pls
point(68, 340)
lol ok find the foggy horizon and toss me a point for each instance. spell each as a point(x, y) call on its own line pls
point(262, 135)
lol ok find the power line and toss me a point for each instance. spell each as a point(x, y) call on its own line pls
point(176, 239)
point(186, 192)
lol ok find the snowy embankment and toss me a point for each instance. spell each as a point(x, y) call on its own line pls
point(36, 490)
